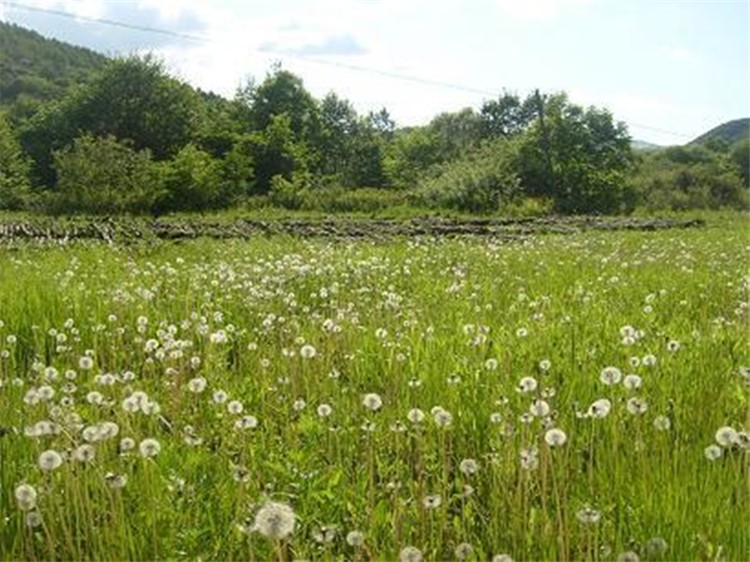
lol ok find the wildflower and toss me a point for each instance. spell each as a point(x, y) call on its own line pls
point(127, 444)
point(628, 556)
point(502, 558)
point(50, 460)
point(85, 363)
point(468, 466)
point(325, 534)
point(529, 458)
point(713, 452)
point(673, 345)
point(545, 365)
point(324, 410)
point(299, 405)
point(307, 351)
point(197, 385)
point(656, 546)
point(610, 375)
point(649, 360)
point(588, 515)
point(274, 520)
point(726, 436)
point(464, 550)
point(33, 519)
point(116, 481)
point(84, 453)
point(443, 417)
point(636, 406)
point(632, 382)
point(415, 415)
point(372, 401)
point(539, 408)
point(410, 554)
point(25, 496)
point(355, 538)
point(522, 332)
point(600, 408)
point(527, 384)
point(246, 422)
point(490, 364)
point(662, 423)
point(432, 502)
point(149, 447)
point(220, 396)
point(496, 418)
point(235, 407)
point(555, 437)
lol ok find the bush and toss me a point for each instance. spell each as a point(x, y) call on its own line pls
point(103, 176)
point(481, 181)
point(192, 182)
point(361, 200)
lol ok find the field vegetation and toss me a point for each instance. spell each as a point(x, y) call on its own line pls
point(580, 396)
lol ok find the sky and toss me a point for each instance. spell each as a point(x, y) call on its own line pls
point(669, 69)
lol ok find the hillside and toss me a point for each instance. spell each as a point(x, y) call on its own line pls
point(37, 68)
point(729, 132)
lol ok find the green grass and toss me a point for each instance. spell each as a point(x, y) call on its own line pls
point(407, 310)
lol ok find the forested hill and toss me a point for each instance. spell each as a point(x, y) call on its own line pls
point(131, 138)
point(37, 68)
point(729, 132)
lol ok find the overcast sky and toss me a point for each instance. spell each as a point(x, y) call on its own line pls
point(670, 70)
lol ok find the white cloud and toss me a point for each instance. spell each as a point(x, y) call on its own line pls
point(680, 53)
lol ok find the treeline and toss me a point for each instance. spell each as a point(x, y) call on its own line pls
point(132, 139)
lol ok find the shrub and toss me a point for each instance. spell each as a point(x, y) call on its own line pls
point(481, 181)
point(103, 176)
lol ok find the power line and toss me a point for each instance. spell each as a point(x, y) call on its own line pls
point(335, 64)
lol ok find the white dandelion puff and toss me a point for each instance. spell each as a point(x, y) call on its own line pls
point(26, 496)
point(415, 415)
point(726, 436)
point(50, 460)
point(610, 375)
point(275, 520)
point(555, 437)
point(149, 447)
point(372, 401)
point(410, 554)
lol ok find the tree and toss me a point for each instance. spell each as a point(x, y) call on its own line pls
point(506, 116)
point(281, 93)
point(130, 99)
point(14, 169)
point(578, 157)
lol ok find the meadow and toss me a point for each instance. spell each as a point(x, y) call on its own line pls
point(579, 396)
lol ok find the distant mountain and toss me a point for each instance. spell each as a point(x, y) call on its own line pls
point(643, 146)
point(729, 132)
point(39, 69)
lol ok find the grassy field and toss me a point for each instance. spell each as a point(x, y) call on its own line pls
point(580, 396)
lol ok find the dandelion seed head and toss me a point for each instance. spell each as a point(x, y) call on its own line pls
point(50, 460)
point(610, 375)
point(555, 437)
point(355, 538)
point(26, 496)
point(463, 551)
point(149, 447)
point(662, 423)
point(468, 467)
point(275, 520)
point(410, 554)
point(726, 436)
point(372, 401)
